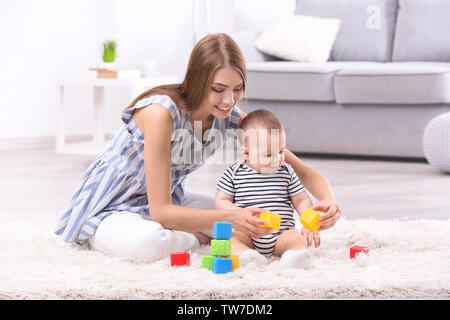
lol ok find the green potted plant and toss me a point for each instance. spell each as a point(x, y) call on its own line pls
point(109, 53)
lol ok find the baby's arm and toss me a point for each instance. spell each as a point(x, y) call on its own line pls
point(224, 201)
point(225, 190)
point(301, 201)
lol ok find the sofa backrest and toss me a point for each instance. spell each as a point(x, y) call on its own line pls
point(367, 27)
point(371, 30)
point(423, 31)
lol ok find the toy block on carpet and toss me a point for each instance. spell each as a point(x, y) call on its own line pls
point(207, 262)
point(222, 265)
point(235, 262)
point(180, 259)
point(356, 250)
point(221, 260)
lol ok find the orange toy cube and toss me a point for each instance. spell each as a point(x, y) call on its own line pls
point(272, 218)
point(235, 262)
point(310, 220)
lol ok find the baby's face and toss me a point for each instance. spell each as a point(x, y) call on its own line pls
point(264, 149)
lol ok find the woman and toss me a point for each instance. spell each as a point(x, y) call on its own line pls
point(132, 200)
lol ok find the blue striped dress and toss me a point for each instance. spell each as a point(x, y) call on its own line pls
point(115, 180)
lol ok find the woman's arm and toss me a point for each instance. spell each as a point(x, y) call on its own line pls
point(158, 128)
point(312, 179)
point(156, 123)
point(318, 185)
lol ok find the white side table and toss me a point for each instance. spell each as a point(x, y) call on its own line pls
point(98, 143)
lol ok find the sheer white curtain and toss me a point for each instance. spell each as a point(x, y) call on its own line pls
point(211, 16)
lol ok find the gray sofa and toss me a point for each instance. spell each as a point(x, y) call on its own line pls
point(379, 88)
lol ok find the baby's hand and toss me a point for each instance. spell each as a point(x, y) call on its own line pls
point(310, 236)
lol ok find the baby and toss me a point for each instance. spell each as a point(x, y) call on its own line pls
point(265, 181)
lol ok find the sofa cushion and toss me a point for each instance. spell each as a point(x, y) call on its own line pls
point(367, 28)
point(291, 81)
point(422, 32)
point(396, 82)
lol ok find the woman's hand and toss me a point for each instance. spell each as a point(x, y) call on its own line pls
point(331, 215)
point(248, 220)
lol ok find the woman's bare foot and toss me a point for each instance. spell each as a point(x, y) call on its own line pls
point(202, 238)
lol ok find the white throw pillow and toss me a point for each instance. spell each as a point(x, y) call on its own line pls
point(299, 38)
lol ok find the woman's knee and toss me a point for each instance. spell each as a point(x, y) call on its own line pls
point(127, 234)
point(149, 242)
point(154, 242)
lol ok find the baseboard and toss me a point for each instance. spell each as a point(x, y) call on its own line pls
point(358, 157)
point(49, 143)
point(39, 142)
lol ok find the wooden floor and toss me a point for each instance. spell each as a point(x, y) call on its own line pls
point(36, 185)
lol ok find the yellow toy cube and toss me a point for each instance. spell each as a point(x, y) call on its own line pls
point(310, 220)
point(272, 218)
point(235, 262)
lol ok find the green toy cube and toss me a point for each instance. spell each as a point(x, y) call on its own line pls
point(207, 262)
point(220, 248)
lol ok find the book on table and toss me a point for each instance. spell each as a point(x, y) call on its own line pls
point(117, 72)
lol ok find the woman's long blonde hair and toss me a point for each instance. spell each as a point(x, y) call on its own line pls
point(212, 52)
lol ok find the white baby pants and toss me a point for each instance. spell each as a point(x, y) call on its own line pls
point(129, 235)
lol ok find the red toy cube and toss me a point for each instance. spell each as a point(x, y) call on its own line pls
point(357, 249)
point(180, 259)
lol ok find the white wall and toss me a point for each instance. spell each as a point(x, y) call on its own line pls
point(44, 40)
point(257, 14)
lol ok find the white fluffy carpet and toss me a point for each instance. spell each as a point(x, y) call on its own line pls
point(408, 259)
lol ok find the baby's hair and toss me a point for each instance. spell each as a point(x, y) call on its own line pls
point(259, 117)
point(263, 117)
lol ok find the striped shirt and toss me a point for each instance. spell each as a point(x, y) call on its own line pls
point(115, 180)
point(251, 188)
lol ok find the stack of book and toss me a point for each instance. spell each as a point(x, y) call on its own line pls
point(117, 72)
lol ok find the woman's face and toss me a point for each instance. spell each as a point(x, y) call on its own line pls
point(225, 92)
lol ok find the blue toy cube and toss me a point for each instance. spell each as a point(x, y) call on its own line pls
point(222, 230)
point(222, 265)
